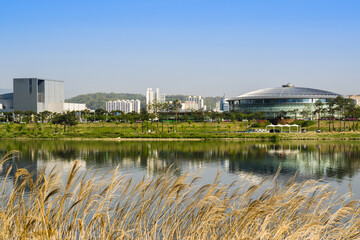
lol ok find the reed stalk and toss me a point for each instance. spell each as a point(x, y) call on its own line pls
point(169, 207)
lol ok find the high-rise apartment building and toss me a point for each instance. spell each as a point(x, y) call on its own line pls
point(125, 106)
point(149, 96)
point(154, 97)
point(193, 103)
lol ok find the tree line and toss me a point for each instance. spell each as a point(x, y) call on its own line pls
point(169, 113)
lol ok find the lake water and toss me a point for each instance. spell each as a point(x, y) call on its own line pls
point(335, 163)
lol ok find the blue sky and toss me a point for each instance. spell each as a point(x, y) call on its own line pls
point(188, 47)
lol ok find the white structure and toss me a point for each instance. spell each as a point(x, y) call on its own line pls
point(74, 107)
point(356, 99)
point(193, 103)
point(217, 107)
point(154, 97)
point(125, 106)
point(284, 126)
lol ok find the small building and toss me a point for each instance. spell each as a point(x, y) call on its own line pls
point(224, 104)
point(6, 100)
point(356, 99)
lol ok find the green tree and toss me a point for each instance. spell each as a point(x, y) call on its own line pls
point(100, 114)
point(45, 116)
point(319, 108)
point(331, 111)
point(175, 107)
point(306, 113)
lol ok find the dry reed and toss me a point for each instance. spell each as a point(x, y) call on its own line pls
point(169, 207)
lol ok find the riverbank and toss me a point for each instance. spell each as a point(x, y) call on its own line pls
point(204, 137)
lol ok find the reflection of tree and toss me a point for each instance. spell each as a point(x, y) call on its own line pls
point(309, 158)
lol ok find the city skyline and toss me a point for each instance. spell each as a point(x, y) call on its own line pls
point(197, 47)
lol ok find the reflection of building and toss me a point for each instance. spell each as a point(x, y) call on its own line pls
point(287, 100)
point(125, 106)
point(38, 95)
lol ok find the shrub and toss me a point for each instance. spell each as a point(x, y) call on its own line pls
point(304, 123)
point(260, 124)
point(9, 127)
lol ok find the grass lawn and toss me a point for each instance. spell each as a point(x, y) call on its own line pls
point(202, 130)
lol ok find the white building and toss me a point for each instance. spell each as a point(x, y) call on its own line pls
point(356, 99)
point(223, 105)
point(154, 97)
point(149, 96)
point(193, 103)
point(125, 106)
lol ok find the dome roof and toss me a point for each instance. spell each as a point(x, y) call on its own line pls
point(288, 91)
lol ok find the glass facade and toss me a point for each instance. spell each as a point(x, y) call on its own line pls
point(272, 108)
point(288, 101)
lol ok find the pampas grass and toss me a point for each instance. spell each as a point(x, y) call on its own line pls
point(169, 207)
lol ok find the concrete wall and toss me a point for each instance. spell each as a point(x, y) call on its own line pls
point(74, 107)
point(38, 95)
point(54, 91)
point(25, 94)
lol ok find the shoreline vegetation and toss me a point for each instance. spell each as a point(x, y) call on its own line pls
point(225, 131)
point(79, 206)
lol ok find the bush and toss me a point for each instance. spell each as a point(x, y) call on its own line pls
point(9, 127)
point(304, 123)
point(260, 124)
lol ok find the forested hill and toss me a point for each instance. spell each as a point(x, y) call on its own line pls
point(98, 100)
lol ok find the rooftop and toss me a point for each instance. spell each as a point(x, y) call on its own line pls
point(288, 91)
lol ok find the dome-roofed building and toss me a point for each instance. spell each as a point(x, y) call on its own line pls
point(274, 102)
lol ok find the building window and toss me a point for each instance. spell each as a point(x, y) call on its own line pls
point(30, 86)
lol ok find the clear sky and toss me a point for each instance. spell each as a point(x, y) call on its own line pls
point(201, 47)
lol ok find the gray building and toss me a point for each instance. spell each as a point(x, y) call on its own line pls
point(38, 95)
point(6, 102)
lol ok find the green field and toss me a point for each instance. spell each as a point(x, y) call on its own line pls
point(200, 130)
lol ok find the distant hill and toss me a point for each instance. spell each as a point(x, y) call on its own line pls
point(98, 100)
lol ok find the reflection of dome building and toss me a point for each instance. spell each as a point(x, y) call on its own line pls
point(276, 101)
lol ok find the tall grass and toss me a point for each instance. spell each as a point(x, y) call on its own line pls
point(169, 207)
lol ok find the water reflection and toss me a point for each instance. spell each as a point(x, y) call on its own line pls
point(310, 159)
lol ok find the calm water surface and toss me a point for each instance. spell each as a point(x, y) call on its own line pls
point(336, 163)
